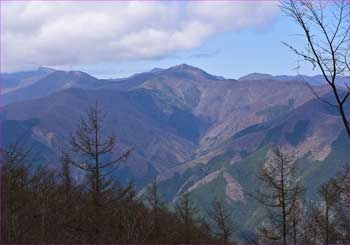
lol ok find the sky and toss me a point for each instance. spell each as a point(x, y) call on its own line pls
point(110, 39)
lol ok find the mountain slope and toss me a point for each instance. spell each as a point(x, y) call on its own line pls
point(14, 81)
point(50, 83)
point(312, 133)
point(316, 80)
point(134, 117)
point(199, 133)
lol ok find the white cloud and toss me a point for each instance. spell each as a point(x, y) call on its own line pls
point(69, 33)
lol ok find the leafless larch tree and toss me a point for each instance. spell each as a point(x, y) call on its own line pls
point(94, 153)
point(281, 194)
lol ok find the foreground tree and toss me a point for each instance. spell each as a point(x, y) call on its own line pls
point(157, 208)
point(281, 194)
point(221, 221)
point(46, 206)
point(31, 211)
point(329, 196)
point(15, 179)
point(186, 213)
point(93, 154)
point(42, 205)
point(310, 230)
point(295, 222)
point(326, 28)
point(342, 209)
point(326, 220)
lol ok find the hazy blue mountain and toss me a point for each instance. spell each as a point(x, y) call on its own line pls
point(313, 80)
point(17, 80)
point(256, 76)
point(198, 132)
point(49, 83)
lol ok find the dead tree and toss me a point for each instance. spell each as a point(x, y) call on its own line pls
point(92, 149)
point(280, 193)
point(221, 220)
point(326, 28)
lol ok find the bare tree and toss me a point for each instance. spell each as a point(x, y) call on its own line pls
point(156, 205)
point(15, 162)
point(310, 230)
point(43, 205)
point(29, 203)
point(342, 182)
point(328, 217)
point(320, 224)
point(66, 177)
point(221, 220)
point(294, 221)
point(93, 148)
point(326, 28)
point(281, 194)
point(154, 202)
point(329, 196)
point(186, 212)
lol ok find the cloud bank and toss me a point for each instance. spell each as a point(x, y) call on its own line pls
point(67, 33)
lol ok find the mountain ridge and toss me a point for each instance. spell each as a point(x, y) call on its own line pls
point(10, 81)
point(210, 110)
point(197, 133)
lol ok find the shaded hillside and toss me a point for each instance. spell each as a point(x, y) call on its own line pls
point(50, 83)
point(15, 81)
point(136, 120)
point(186, 125)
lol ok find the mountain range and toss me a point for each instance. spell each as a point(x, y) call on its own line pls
point(198, 133)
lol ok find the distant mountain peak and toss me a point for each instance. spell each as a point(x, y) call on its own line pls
point(45, 69)
point(256, 76)
point(184, 67)
point(79, 74)
point(156, 70)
